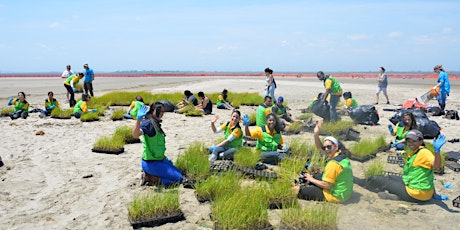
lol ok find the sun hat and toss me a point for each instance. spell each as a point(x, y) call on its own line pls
point(332, 139)
point(280, 99)
point(414, 135)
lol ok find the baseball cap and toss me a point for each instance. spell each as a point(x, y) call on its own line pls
point(280, 99)
point(415, 135)
point(332, 139)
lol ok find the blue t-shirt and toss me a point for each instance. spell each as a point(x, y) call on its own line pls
point(89, 75)
point(442, 77)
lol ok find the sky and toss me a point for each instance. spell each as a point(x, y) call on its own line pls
point(229, 36)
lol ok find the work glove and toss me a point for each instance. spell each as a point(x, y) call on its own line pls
point(10, 102)
point(94, 110)
point(438, 143)
point(448, 185)
point(74, 89)
point(212, 148)
point(394, 145)
point(285, 148)
point(245, 120)
point(390, 128)
point(440, 197)
point(142, 112)
point(52, 107)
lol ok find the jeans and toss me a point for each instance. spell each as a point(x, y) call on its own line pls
point(224, 153)
point(333, 111)
point(273, 157)
point(271, 91)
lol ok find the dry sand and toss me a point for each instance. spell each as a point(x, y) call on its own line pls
point(54, 181)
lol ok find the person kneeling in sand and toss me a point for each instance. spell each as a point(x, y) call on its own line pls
point(134, 107)
point(21, 106)
point(50, 104)
point(82, 106)
point(417, 182)
point(336, 183)
point(233, 139)
point(206, 104)
point(157, 168)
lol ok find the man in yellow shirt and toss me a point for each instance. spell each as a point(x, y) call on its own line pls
point(333, 88)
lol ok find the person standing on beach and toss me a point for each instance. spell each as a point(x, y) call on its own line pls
point(443, 85)
point(336, 182)
point(157, 168)
point(88, 80)
point(67, 72)
point(382, 79)
point(270, 84)
point(21, 106)
point(417, 182)
point(333, 88)
point(70, 84)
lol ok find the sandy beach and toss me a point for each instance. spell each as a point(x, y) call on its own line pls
point(54, 181)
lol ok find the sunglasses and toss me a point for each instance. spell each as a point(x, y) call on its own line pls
point(326, 147)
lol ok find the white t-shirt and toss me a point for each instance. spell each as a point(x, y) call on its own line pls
point(66, 73)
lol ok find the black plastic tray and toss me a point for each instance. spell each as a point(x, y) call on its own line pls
point(158, 221)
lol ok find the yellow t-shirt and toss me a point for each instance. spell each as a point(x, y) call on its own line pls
point(331, 172)
point(257, 133)
point(425, 159)
point(236, 132)
point(328, 85)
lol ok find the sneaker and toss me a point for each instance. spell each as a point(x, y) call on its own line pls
point(212, 158)
point(388, 102)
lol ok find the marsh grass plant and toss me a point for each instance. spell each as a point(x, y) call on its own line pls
point(322, 216)
point(6, 111)
point(61, 113)
point(148, 205)
point(335, 128)
point(125, 133)
point(110, 143)
point(376, 168)
point(301, 148)
point(194, 162)
point(242, 209)
point(218, 185)
point(305, 116)
point(295, 127)
point(252, 119)
point(118, 114)
point(290, 168)
point(280, 192)
point(366, 148)
point(246, 157)
point(90, 116)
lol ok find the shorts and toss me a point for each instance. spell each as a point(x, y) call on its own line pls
point(380, 89)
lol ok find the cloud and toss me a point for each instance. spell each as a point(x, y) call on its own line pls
point(356, 37)
point(41, 45)
point(394, 34)
point(447, 30)
point(423, 39)
point(54, 25)
point(285, 43)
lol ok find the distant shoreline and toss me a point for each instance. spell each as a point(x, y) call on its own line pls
point(224, 74)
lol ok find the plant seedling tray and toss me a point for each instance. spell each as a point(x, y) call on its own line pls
point(278, 204)
point(456, 202)
point(253, 173)
point(158, 221)
point(363, 158)
point(454, 166)
point(133, 141)
point(396, 160)
point(221, 166)
point(116, 152)
point(201, 199)
point(250, 142)
point(393, 174)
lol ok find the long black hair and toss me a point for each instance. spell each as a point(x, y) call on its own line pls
point(156, 108)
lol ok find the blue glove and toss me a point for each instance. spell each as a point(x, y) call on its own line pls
point(94, 110)
point(211, 149)
point(245, 120)
point(142, 112)
point(438, 143)
point(52, 107)
point(440, 197)
point(285, 148)
point(390, 128)
point(308, 165)
point(448, 185)
point(394, 145)
point(10, 101)
point(74, 89)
